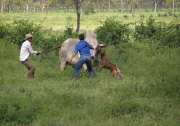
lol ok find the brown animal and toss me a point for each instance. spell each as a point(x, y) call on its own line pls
point(114, 69)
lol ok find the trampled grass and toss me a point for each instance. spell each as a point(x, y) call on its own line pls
point(147, 95)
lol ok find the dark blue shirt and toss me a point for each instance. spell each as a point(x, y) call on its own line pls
point(83, 47)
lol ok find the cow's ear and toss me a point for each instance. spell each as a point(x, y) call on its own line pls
point(102, 45)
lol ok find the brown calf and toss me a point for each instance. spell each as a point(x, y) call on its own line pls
point(114, 69)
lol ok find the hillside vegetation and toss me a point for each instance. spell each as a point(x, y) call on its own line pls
point(148, 94)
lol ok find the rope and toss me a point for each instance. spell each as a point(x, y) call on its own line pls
point(48, 50)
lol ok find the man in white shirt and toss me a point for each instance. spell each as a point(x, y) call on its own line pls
point(26, 49)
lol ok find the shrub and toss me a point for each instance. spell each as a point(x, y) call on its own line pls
point(56, 38)
point(52, 39)
point(21, 28)
point(145, 30)
point(170, 35)
point(69, 33)
point(170, 13)
point(112, 32)
point(4, 29)
point(125, 16)
point(165, 34)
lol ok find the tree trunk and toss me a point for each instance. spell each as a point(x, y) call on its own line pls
point(2, 6)
point(43, 7)
point(155, 5)
point(8, 7)
point(109, 5)
point(122, 5)
point(27, 8)
point(78, 22)
point(173, 6)
point(78, 12)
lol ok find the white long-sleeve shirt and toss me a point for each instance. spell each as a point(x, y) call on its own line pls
point(26, 49)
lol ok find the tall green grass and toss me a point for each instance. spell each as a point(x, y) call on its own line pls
point(147, 95)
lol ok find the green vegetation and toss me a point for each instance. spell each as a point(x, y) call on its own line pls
point(112, 32)
point(58, 20)
point(149, 93)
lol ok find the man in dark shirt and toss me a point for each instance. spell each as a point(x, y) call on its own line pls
point(83, 48)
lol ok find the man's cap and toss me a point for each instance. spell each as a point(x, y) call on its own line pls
point(29, 35)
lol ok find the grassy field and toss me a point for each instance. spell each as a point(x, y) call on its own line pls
point(148, 95)
point(58, 20)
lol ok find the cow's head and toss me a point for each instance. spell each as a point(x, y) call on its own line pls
point(91, 39)
point(98, 51)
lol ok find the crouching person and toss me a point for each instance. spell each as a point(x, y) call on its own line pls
point(26, 49)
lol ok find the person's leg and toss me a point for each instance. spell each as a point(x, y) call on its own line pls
point(89, 67)
point(78, 66)
point(30, 67)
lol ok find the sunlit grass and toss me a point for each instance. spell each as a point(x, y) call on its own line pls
point(58, 20)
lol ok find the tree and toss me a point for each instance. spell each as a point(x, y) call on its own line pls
point(78, 4)
point(2, 5)
point(122, 4)
point(109, 5)
point(173, 6)
point(155, 5)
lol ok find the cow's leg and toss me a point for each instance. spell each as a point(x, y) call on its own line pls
point(85, 67)
point(63, 64)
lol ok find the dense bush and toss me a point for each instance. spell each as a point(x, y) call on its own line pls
point(42, 38)
point(4, 29)
point(145, 31)
point(165, 34)
point(69, 32)
point(112, 32)
point(170, 35)
point(21, 28)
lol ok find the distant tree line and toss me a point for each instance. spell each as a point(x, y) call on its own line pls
point(95, 5)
